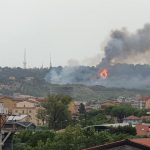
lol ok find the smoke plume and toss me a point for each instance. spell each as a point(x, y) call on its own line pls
point(126, 56)
point(125, 47)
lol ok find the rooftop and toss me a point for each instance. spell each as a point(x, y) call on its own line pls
point(16, 118)
point(143, 129)
point(136, 144)
point(143, 141)
point(132, 118)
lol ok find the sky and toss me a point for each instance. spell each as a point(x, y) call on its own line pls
point(71, 31)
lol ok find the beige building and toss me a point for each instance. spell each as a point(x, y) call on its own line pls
point(9, 103)
point(30, 108)
point(3, 110)
point(144, 102)
point(147, 104)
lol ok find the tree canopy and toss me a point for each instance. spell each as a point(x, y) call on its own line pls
point(122, 111)
point(72, 138)
point(56, 110)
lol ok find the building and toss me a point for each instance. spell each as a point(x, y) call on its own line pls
point(145, 119)
point(147, 103)
point(143, 129)
point(139, 102)
point(12, 78)
point(29, 108)
point(144, 102)
point(105, 127)
point(20, 118)
point(3, 110)
point(19, 125)
point(129, 144)
point(132, 120)
point(9, 103)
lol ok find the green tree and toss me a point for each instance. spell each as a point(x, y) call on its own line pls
point(82, 112)
point(72, 138)
point(123, 130)
point(41, 115)
point(94, 117)
point(56, 110)
point(82, 108)
point(122, 111)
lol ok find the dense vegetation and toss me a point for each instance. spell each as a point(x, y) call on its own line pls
point(124, 110)
point(72, 138)
point(109, 115)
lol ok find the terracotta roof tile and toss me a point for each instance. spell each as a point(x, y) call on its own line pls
point(142, 129)
point(143, 141)
point(132, 118)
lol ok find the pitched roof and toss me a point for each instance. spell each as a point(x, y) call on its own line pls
point(17, 118)
point(9, 97)
point(23, 124)
point(28, 100)
point(143, 141)
point(141, 144)
point(132, 118)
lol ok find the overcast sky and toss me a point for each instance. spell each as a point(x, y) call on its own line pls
point(68, 29)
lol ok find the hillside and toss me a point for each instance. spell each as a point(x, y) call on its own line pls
point(32, 82)
point(82, 92)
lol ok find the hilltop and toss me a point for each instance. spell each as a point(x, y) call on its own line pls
point(32, 82)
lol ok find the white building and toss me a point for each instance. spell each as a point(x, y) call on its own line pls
point(3, 110)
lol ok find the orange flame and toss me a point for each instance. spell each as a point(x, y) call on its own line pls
point(104, 73)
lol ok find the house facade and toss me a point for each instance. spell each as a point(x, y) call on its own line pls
point(30, 108)
point(3, 110)
point(9, 103)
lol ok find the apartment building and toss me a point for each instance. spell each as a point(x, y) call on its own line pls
point(9, 103)
point(30, 108)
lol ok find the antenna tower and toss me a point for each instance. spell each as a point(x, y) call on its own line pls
point(50, 64)
point(25, 61)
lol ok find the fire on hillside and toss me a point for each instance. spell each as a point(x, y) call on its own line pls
point(104, 73)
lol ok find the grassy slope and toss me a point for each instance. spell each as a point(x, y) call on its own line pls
point(81, 92)
point(78, 92)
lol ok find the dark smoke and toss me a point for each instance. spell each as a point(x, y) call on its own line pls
point(124, 46)
point(126, 57)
